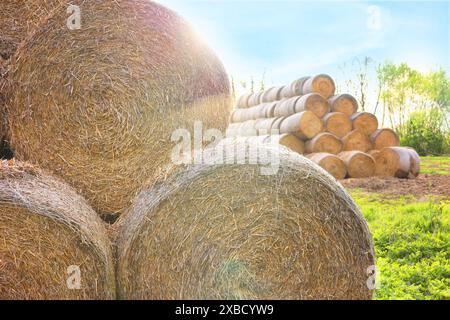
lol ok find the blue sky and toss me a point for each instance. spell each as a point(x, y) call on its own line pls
point(288, 39)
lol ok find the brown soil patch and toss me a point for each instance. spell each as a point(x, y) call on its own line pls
point(426, 184)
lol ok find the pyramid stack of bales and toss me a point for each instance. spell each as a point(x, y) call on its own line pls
point(334, 135)
point(90, 114)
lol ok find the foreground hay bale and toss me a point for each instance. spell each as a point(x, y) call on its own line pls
point(229, 232)
point(2, 100)
point(330, 163)
point(5, 152)
point(18, 18)
point(397, 162)
point(324, 142)
point(7, 48)
point(384, 138)
point(359, 164)
point(45, 228)
point(98, 106)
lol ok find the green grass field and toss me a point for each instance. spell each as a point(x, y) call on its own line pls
point(412, 240)
point(436, 165)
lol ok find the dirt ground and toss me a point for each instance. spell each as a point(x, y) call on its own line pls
point(421, 187)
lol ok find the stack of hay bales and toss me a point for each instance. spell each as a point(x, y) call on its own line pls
point(97, 108)
point(337, 137)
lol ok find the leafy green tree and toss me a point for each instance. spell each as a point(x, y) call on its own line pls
point(417, 105)
point(425, 132)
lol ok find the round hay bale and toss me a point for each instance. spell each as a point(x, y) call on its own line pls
point(344, 103)
point(397, 162)
point(19, 18)
point(324, 143)
point(357, 140)
point(286, 107)
point(5, 151)
point(364, 121)
point(98, 106)
point(2, 100)
point(258, 112)
point(46, 229)
point(7, 48)
point(415, 162)
point(374, 153)
point(384, 138)
point(242, 102)
point(238, 115)
point(337, 123)
point(296, 87)
point(359, 164)
point(305, 125)
point(286, 92)
point(276, 126)
point(264, 126)
point(289, 141)
point(270, 109)
point(253, 113)
point(233, 129)
point(322, 84)
point(247, 128)
point(330, 163)
point(313, 102)
point(229, 232)
point(255, 99)
point(271, 95)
